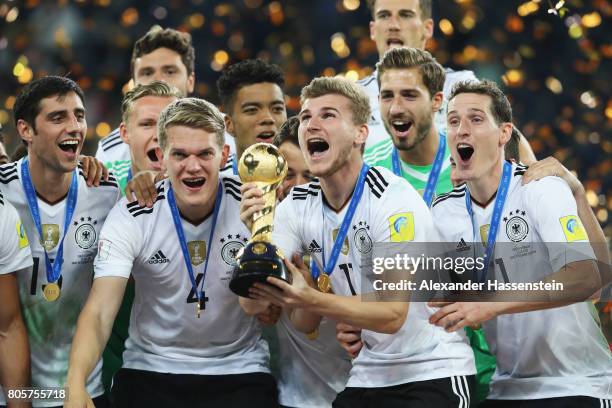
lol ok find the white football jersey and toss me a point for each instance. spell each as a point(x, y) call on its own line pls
point(419, 350)
point(311, 372)
point(377, 128)
point(112, 148)
point(228, 169)
point(164, 334)
point(51, 325)
point(540, 354)
point(15, 251)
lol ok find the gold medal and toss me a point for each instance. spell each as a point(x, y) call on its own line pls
point(324, 282)
point(313, 335)
point(51, 292)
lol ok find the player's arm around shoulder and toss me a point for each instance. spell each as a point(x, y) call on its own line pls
point(118, 246)
point(561, 229)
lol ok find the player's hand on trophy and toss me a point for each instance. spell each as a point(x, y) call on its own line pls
point(141, 188)
point(270, 316)
point(78, 398)
point(454, 316)
point(349, 338)
point(252, 202)
point(552, 167)
point(283, 294)
point(93, 170)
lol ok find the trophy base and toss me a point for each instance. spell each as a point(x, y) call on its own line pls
point(258, 261)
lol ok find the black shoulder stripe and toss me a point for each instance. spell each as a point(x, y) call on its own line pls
point(136, 211)
point(300, 195)
point(232, 194)
point(230, 188)
point(8, 172)
point(133, 206)
point(373, 188)
point(366, 81)
point(109, 184)
point(8, 180)
point(112, 136)
point(107, 148)
point(446, 196)
point(380, 176)
point(300, 198)
point(300, 189)
point(1, 198)
point(232, 181)
point(142, 211)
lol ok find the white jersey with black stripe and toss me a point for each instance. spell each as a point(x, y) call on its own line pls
point(540, 354)
point(390, 210)
point(51, 325)
point(112, 148)
point(165, 335)
point(378, 132)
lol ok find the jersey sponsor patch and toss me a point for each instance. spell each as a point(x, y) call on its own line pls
point(104, 249)
point(21, 234)
point(50, 236)
point(573, 229)
point(197, 252)
point(402, 227)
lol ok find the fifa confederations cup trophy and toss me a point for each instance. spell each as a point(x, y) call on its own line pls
point(263, 165)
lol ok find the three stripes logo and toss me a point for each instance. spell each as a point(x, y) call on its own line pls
point(314, 247)
point(158, 258)
point(462, 246)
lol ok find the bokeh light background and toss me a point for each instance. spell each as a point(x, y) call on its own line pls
point(553, 58)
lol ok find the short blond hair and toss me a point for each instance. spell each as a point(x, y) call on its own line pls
point(432, 73)
point(194, 113)
point(155, 88)
point(360, 103)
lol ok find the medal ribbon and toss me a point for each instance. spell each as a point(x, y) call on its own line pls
point(434, 174)
point(183, 242)
point(129, 175)
point(502, 192)
point(54, 270)
point(344, 227)
point(235, 164)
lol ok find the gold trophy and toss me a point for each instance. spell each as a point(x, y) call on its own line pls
point(263, 165)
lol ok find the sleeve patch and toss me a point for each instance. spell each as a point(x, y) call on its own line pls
point(402, 227)
point(104, 249)
point(573, 229)
point(23, 237)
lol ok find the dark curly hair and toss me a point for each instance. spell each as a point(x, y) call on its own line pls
point(169, 38)
point(248, 72)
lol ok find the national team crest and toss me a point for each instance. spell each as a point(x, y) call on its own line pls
point(516, 226)
point(197, 252)
point(362, 238)
point(345, 244)
point(85, 235)
point(50, 236)
point(231, 246)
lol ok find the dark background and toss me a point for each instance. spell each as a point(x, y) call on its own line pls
point(552, 65)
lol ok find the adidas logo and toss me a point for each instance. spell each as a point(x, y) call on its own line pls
point(158, 258)
point(462, 246)
point(314, 247)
